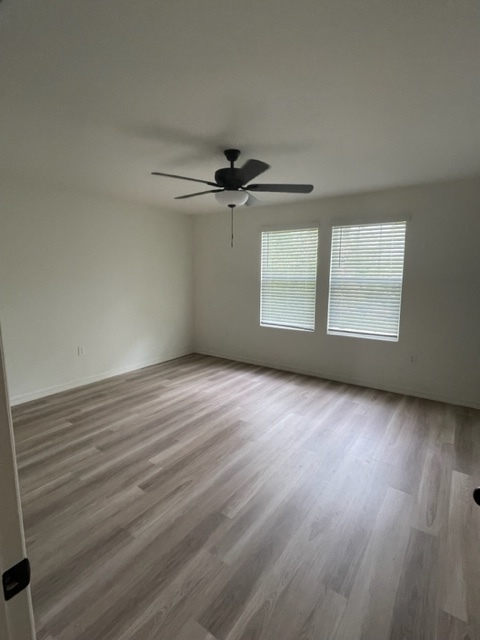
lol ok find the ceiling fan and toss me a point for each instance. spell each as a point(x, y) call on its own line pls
point(232, 184)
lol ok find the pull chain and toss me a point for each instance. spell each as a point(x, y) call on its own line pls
point(232, 207)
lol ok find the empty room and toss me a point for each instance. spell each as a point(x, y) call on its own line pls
point(240, 320)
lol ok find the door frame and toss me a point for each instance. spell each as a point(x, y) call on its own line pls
point(16, 614)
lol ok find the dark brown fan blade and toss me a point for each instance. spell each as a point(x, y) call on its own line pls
point(251, 200)
point(200, 193)
point(251, 169)
point(281, 188)
point(171, 175)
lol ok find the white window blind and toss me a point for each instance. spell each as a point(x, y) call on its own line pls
point(366, 273)
point(288, 278)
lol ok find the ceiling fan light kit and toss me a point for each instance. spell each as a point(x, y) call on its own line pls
point(232, 183)
point(231, 198)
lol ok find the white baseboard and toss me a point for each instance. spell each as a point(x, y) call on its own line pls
point(80, 382)
point(335, 376)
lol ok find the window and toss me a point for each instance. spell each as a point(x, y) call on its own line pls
point(366, 273)
point(289, 278)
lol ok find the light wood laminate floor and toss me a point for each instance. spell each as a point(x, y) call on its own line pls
point(204, 499)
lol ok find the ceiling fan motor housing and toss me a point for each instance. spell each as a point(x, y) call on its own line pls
point(229, 178)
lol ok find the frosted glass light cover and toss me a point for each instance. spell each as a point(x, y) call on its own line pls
point(236, 198)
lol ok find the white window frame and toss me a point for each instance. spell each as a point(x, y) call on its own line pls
point(368, 332)
point(284, 323)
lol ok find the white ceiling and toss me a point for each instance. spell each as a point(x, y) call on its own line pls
point(346, 94)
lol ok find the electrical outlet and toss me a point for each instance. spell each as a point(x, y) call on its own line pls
point(80, 351)
point(413, 358)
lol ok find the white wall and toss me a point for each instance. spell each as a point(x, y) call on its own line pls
point(440, 321)
point(80, 270)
